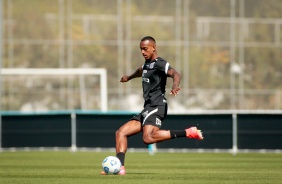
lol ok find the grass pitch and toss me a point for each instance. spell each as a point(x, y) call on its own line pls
point(162, 168)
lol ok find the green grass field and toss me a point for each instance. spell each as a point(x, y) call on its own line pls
point(162, 168)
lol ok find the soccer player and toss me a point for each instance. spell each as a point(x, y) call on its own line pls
point(154, 73)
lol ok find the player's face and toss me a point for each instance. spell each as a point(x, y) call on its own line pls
point(147, 48)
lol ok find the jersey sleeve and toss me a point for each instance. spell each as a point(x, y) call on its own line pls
point(163, 66)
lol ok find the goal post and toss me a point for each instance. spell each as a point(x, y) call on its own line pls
point(102, 72)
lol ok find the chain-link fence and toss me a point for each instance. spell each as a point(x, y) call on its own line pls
point(227, 51)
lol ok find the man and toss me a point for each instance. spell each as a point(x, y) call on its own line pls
point(154, 73)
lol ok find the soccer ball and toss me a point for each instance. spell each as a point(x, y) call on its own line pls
point(111, 165)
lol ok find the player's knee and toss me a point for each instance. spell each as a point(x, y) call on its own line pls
point(148, 139)
point(119, 133)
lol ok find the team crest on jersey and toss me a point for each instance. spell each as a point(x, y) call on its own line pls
point(158, 122)
point(152, 65)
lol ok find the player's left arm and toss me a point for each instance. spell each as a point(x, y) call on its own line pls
point(176, 81)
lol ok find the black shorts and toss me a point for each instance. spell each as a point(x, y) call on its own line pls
point(152, 115)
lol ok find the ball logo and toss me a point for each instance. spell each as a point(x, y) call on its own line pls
point(113, 162)
point(105, 160)
point(106, 169)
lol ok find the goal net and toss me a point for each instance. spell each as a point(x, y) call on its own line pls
point(33, 89)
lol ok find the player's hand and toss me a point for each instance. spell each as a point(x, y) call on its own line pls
point(124, 78)
point(174, 91)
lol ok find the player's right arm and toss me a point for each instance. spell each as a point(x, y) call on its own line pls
point(137, 73)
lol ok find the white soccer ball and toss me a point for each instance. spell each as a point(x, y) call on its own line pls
point(111, 165)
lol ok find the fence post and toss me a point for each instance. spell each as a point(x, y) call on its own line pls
point(73, 132)
point(234, 134)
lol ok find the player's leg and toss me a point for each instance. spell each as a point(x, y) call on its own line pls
point(153, 134)
point(152, 124)
point(130, 128)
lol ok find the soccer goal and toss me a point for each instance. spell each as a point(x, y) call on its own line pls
point(50, 88)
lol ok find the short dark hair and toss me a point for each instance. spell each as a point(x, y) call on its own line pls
point(148, 38)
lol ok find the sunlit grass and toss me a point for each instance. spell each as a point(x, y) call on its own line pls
point(84, 167)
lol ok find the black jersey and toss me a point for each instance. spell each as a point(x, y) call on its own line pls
point(154, 81)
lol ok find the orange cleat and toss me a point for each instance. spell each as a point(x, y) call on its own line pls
point(194, 133)
point(122, 171)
